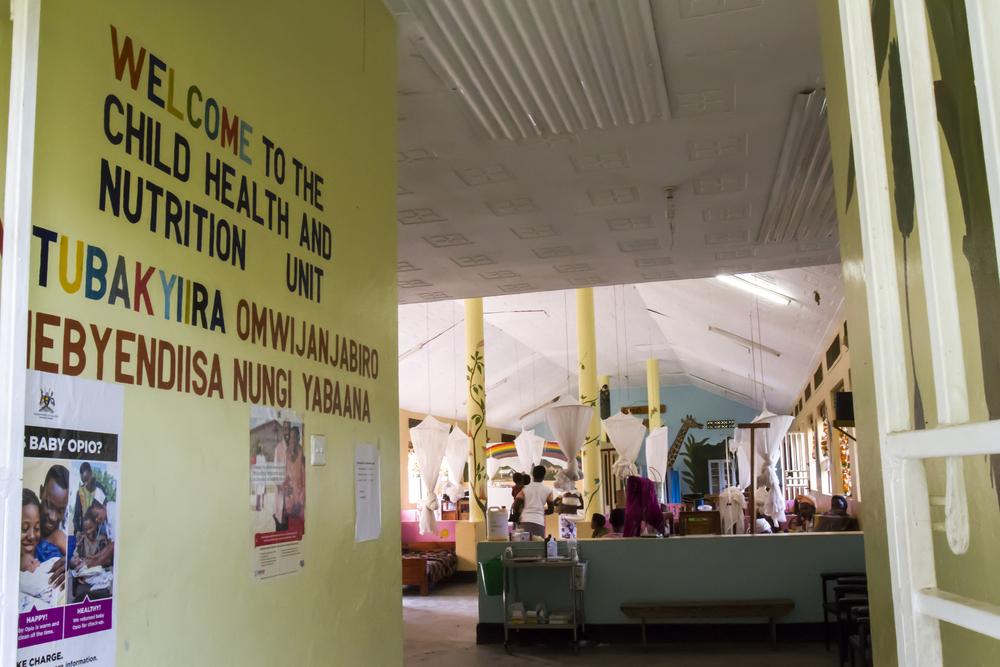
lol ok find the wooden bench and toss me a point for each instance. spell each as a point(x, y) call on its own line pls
point(710, 609)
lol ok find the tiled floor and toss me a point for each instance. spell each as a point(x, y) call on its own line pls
point(441, 631)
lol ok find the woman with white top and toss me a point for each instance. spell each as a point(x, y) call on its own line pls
point(535, 501)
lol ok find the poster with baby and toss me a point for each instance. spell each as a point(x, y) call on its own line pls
point(69, 520)
point(277, 492)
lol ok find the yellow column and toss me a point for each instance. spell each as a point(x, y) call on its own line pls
point(653, 390)
point(603, 380)
point(586, 343)
point(476, 407)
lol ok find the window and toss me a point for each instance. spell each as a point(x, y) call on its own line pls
point(795, 464)
point(818, 377)
point(833, 352)
point(809, 392)
point(845, 337)
point(799, 407)
point(720, 475)
point(415, 488)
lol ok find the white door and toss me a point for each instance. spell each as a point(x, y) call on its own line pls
point(919, 604)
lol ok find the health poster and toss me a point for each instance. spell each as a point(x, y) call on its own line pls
point(277, 492)
point(70, 508)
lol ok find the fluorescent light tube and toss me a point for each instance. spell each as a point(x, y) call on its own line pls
point(753, 288)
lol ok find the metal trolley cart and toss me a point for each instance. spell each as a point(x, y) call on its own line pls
point(512, 563)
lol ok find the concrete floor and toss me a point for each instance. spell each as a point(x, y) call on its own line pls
point(440, 629)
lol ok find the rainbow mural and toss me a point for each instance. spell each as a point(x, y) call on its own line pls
point(505, 450)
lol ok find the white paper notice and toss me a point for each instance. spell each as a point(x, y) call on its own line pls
point(367, 494)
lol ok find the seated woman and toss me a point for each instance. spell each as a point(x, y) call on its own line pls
point(805, 512)
point(617, 523)
point(837, 519)
point(597, 523)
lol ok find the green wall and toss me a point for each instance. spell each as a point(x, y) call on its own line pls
point(735, 567)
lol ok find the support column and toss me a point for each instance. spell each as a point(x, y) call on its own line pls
point(653, 393)
point(475, 365)
point(655, 418)
point(586, 343)
point(603, 381)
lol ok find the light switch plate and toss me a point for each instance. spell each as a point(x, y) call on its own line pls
point(319, 450)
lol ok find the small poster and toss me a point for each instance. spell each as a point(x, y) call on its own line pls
point(70, 508)
point(367, 494)
point(277, 492)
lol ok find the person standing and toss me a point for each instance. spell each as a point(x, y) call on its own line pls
point(534, 502)
point(295, 495)
point(281, 456)
point(85, 495)
point(258, 488)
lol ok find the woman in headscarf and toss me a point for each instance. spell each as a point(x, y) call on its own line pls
point(805, 513)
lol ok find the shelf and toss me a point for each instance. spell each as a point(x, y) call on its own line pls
point(541, 626)
point(540, 563)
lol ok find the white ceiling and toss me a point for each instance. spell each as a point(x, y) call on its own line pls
point(553, 207)
point(563, 209)
point(531, 351)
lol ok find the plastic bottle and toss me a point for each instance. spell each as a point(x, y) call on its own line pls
point(551, 547)
point(571, 543)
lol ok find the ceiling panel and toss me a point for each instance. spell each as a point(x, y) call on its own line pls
point(712, 96)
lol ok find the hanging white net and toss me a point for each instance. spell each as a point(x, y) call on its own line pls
point(529, 450)
point(740, 447)
point(456, 455)
point(492, 467)
point(626, 433)
point(767, 455)
point(657, 453)
point(569, 420)
point(768, 442)
point(732, 503)
point(430, 439)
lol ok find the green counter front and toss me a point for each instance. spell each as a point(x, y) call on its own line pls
point(738, 567)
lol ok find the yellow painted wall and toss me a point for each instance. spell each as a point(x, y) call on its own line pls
point(319, 79)
point(863, 384)
point(809, 417)
point(972, 574)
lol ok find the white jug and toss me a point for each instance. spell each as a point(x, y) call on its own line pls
point(496, 524)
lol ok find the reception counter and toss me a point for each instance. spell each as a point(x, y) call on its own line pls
point(732, 567)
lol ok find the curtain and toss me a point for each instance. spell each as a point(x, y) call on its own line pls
point(569, 420)
point(456, 454)
point(430, 439)
point(626, 433)
point(657, 452)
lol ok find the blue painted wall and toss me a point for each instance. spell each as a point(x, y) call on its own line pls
point(686, 400)
point(681, 401)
